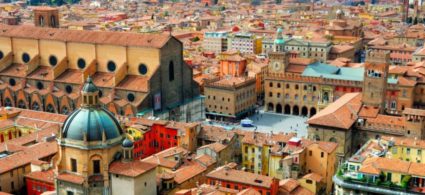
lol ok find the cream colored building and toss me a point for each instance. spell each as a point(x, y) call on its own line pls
point(230, 98)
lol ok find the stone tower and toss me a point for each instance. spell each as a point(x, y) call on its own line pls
point(375, 79)
point(279, 59)
point(46, 17)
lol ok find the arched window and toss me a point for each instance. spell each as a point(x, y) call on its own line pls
point(287, 86)
point(53, 21)
point(21, 104)
point(65, 110)
point(393, 104)
point(41, 20)
point(287, 96)
point(296, 87)
point(278, 85)
point(7, 102)
point(271, 84)
point(50, 108)
point(171, 71)
point(316, 138)
point(35, 106)
point(332, 139)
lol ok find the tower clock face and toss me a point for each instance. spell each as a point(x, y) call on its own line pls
point(276, 66)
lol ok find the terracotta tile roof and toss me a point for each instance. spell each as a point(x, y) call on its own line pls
point(313, 176)
point(82, 36)
point(42, 73)
point(328, 147)
point(301, 191)
point(369, 112)
point(406, 82)
point(206, 160)
point(188, 171)
point(385, 164)
point(341, 48)
point(24, 157)
point(162, 158)
point(217, 147)
point(103, 79)
point(131, 169)
point(288, 184)
point(417, 169)
point(260, 139)
point(16, 70)
point(341, 114)
point(249, 191)
point(44, 176)
point(242, 177)
point(292, 68)
point(406, 142)
point(71, 178)
point(412, 111)
point(71, 76)
point(134, 83)
point(215, 134)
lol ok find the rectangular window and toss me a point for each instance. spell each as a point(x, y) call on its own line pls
point(96, 166)
point(408, 150)
point(394, 150)
point(12, 185)
point(419, 152)
point(322, 154)
point(73, 165)
point(310, 153)
point(69, 193)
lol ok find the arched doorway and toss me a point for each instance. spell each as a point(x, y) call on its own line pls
point(296, 110)
point(287, 109)
point(312, 111)
point(279, 108)
point(304, 111)
point(270, 107)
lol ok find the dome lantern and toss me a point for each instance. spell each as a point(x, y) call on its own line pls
point(90, 94)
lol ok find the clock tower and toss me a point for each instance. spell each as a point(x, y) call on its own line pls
point(278, 59)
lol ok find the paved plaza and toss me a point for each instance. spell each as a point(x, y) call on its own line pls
point(267, 122)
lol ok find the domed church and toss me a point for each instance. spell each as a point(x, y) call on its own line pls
point(91, 139)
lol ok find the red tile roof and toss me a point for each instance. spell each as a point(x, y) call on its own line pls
point(44, 176)
point(71, 178)
point(131, 169)
point(340, 114)
point(82, 36)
